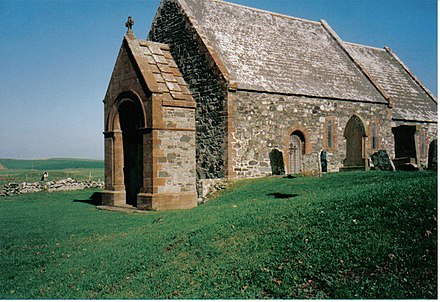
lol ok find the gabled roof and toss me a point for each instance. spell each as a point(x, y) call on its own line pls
point(264, 51)
point(158, 68)
point(411, 100)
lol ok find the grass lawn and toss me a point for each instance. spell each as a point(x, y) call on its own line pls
point(14, 170)
point(345, 235)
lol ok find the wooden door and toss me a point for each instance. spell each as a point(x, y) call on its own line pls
point(296, 153)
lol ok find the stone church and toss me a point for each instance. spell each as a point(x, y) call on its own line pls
point(219, 90)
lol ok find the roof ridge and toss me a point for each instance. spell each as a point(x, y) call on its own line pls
point(366, 46)
point(186, 10)
point(266, 11)
point(412, 75)
point(363, 70)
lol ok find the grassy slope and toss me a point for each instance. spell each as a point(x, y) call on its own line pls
point(347, 235)
point(31, 170)
point(51, 164)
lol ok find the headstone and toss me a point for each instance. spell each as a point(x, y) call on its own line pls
point(323, 161)
point(381, 161)
point(277, 162)
point(432, 157)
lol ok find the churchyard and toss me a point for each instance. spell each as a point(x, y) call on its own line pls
point(343, 235)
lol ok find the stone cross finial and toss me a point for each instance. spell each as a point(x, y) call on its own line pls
point(129, 23)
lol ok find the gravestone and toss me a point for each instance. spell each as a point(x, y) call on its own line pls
point(323, 161)
point(277, 162)
point(381, 161)
point(432, 157)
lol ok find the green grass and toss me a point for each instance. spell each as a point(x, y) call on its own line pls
point(51, 164)
point(13, 170)
point(347, 235)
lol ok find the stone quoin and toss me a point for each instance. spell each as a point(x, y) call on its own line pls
point(223, 91)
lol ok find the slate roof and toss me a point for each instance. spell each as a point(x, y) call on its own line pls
point(412, 101)
point(158, 68)
point(270, 52)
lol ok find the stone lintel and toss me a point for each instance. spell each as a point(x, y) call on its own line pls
point(177, 103)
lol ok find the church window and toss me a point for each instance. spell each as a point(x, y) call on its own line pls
point(329, 139)
point(329, 134)
point(422, 144)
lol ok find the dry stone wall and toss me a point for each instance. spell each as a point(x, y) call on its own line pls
point(68, 184)
point(263, 122)
point(171, 28)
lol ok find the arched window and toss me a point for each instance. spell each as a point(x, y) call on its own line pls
point(422, 144)
point(329, 139)
point(329, 134)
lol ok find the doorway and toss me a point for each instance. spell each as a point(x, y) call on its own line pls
point(355, 143)
point(130, 117)
point(296, 152)
point(404, 141)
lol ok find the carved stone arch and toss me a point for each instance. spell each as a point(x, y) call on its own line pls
point(305, 133)
point(125, 127)
point(360, 121)
point(355, 135)
point(112, 119)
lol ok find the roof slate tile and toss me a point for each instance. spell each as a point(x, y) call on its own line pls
point(270, 52)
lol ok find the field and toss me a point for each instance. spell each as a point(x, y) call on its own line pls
point(346, 235)
point(13, 170)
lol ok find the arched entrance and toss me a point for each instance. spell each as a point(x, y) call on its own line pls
point(296, 152)
point(355, 142)
point(131, 121)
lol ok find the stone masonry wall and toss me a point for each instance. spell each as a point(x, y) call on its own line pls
point(171, 28)
point(176, 160)
point(262, 122)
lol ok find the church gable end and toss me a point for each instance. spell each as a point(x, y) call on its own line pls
point(206, 83)
point(411, 101)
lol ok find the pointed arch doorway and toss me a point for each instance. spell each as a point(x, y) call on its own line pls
point(355, 142)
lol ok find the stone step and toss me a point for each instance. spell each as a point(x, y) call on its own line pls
point(353, 168)
point(124, 209)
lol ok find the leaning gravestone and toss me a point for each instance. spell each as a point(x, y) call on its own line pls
point(381, 161)
point(277, 162)
point(432, 157)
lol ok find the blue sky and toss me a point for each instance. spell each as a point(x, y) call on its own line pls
point(56, 59)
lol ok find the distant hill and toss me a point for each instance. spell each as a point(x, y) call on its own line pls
point(51, 164)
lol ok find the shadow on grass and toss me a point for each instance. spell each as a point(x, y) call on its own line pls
point(282, 195)
point(95, 199)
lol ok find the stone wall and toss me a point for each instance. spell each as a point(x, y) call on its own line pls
point(68, 184)
point(171, 27)
point(263, 122)
point(177, 161)
point(208, 188)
